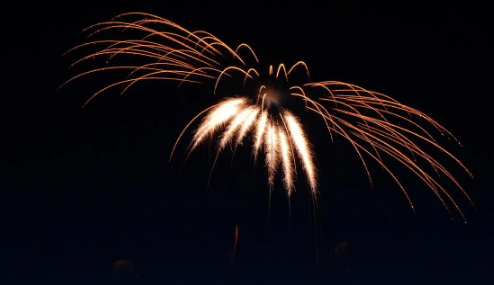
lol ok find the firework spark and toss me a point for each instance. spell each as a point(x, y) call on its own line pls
point(373, 123)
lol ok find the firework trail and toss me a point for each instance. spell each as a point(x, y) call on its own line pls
point(235, 243)
point(372, 122)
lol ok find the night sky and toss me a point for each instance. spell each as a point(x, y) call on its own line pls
point(83, 188)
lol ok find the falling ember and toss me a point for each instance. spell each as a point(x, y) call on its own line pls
point(271, 148)
point(195, 57)
point(261, 129)
point(286, 155)
point(303, 149)
point(235, 242)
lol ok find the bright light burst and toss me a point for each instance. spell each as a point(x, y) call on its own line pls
point(373, 123)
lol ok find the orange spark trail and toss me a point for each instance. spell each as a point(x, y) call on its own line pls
point(234, 250)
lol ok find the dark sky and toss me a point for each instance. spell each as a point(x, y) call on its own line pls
point(83, 188)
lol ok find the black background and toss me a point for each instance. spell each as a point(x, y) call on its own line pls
point(83, 188)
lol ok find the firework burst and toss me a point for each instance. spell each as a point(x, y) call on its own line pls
point(373, 123)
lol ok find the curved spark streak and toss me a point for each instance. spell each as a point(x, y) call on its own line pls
point(259, 93)
point(249, 48)
point(297, 64)
point(284, 70)
point(225, 70)
point(248, 71)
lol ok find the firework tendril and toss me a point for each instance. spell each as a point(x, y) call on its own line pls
point(368, 120)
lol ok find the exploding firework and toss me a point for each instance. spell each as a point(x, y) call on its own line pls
point(373, 123)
